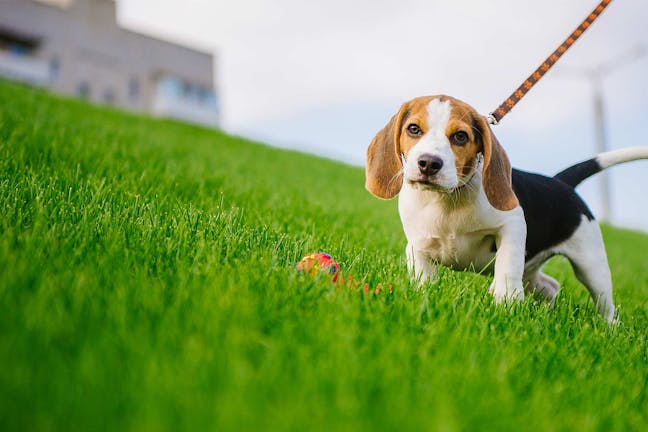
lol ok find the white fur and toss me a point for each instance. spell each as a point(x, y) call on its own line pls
point(458, 232)
point(615, 157)
point(586, 252)
point(436, 143)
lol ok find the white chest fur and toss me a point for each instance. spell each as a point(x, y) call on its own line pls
point(460, 233)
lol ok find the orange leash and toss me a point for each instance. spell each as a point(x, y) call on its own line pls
point(497, 115)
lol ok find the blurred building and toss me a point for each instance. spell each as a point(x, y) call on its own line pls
point(76, 47)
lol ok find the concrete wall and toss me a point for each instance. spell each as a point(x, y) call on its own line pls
point(91, 50)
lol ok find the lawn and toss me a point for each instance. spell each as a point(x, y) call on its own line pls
point(147, 283)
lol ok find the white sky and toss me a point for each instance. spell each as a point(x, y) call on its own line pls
point(324, 76)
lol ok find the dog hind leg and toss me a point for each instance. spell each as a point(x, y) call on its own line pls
point(542, 287)
point(586, 252)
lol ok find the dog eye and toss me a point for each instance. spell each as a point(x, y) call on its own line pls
point(414, 130)
point(459, 138)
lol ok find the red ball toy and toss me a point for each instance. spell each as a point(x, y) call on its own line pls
point(319, 261)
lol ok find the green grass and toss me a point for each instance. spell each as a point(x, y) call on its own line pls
point(147, 283)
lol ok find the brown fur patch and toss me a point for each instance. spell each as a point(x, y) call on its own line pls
point(462, 119)
point(416, 114)
point(383, 171)
point(496, 175)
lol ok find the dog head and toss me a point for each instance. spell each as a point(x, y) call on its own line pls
point(438, 143)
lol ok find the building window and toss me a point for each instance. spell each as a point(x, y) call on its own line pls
point(133, 89)
point(83, 90)
point(209, 100)
point(171, 88)
point(17, 50)
point(186, 89)
point(109, 96)
point(54, 69)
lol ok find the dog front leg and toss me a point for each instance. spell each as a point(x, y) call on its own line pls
point(419, 266)
point(509, 260)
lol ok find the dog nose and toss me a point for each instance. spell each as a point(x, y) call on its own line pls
point(429, 165)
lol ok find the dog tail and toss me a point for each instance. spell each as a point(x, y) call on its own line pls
point(575, 174)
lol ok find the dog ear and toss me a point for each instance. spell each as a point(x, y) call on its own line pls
point(496, 173)
point(383, 172)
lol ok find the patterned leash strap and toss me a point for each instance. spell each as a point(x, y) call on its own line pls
point(497, 115)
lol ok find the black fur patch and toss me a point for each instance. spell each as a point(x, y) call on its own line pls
point(579, 172)
point(552, 209)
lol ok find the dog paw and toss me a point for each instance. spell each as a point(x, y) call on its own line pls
point(507, 292)
point(543, 288)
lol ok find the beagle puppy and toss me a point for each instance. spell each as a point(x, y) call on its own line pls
point(462, 206)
